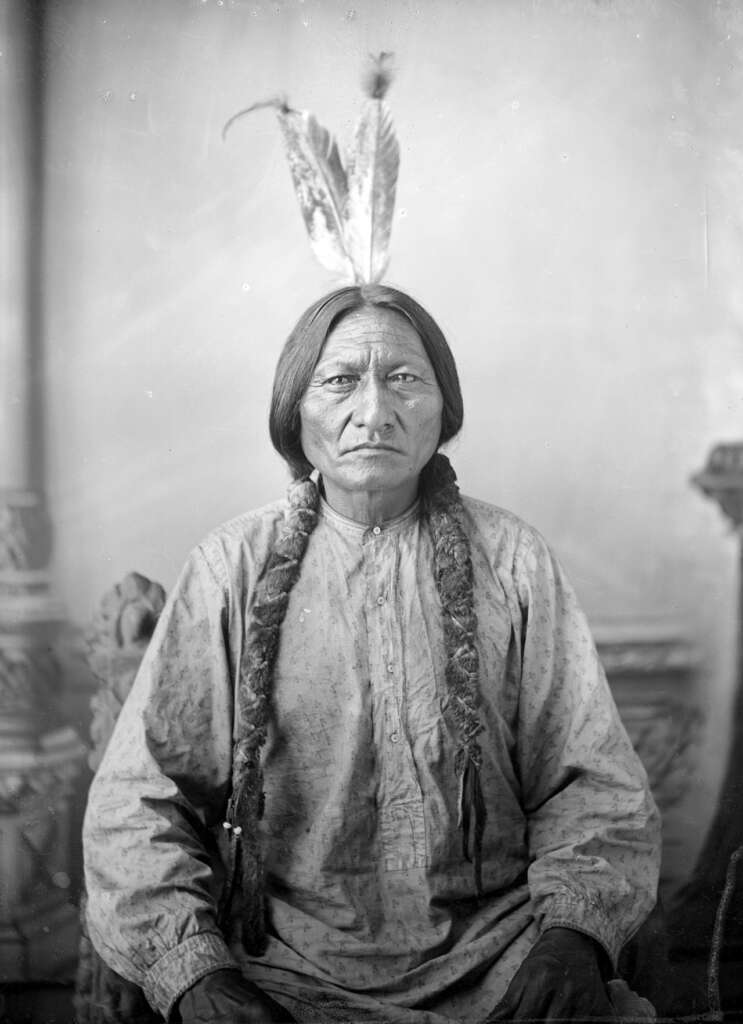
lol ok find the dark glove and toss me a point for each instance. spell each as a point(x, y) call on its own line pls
point(225, 997)
point(562, 977)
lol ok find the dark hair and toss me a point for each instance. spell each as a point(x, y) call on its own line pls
point(304, 346)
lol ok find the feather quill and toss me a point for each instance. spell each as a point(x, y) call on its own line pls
point(373, 165)
point(319, 182)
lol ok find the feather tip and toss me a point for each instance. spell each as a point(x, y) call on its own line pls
point(378, 78)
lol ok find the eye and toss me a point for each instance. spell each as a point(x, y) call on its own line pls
point(340, 380)
point(404, 378)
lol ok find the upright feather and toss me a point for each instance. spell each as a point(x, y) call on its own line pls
point(319, 182)
point(373, 166)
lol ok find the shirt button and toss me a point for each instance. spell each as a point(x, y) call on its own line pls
point(394, 737)
point(380, 599)
point(390, 667)
point(377, 530)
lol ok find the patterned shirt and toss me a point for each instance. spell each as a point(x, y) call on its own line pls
point(372, 908)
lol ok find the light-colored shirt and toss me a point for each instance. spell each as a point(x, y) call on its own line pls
point(372, 907)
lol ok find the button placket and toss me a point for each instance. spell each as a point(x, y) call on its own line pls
point(400, 807)
point(384, 580)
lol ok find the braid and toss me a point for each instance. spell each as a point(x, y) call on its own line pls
point(442, 507)
point(245, 808)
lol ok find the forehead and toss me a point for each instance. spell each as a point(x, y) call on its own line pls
point(385, 329)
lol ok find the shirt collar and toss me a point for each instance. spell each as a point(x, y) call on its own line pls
point(350, 526)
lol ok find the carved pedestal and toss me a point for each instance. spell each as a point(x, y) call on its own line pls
point(117, 640)
point(39, 758)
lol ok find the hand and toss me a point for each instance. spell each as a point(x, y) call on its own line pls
point(225, 997)
point(560, 978)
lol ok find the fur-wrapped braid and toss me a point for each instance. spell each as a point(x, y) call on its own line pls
point(253, 696)
point(442, 510)
point(442, 507)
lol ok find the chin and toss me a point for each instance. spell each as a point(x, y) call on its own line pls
point(381, 480)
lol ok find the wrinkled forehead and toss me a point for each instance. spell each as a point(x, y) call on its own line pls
point(374, 326)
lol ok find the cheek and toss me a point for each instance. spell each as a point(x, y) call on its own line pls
point(426, 415)
point(316, 423)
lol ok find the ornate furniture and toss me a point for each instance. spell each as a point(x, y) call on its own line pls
point(651, 670)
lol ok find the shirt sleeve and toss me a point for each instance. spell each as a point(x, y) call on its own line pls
point(152, 866)
point(593, 827)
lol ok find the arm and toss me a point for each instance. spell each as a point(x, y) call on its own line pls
point(149, 856)
point(593, 828)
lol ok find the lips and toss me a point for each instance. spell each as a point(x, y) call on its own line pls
point(370, 446)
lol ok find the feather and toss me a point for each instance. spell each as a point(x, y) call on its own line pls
point(373, 165)
point(348, 214)
point(319, 181)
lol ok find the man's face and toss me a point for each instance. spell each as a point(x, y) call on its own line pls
point(371, 415)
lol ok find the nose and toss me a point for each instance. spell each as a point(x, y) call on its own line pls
point(373, 406)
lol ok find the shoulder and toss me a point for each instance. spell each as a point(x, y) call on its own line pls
point(508, 539)
point(241, 544)
point(248, 526)
point(515, 551)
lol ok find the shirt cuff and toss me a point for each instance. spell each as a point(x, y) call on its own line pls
point(566, 910)
point(182, 967)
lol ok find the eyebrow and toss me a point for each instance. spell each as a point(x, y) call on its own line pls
point(338, 361)
point(355, 361)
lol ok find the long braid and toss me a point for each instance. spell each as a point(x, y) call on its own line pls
point(442, 507)
point(245, 808)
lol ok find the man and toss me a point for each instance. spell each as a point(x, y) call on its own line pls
point(370, 768)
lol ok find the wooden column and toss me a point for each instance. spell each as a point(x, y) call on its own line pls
point(39, 757)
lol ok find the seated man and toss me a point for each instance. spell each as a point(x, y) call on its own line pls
point(370, 768)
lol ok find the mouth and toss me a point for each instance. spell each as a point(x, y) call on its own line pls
point(373, 446)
